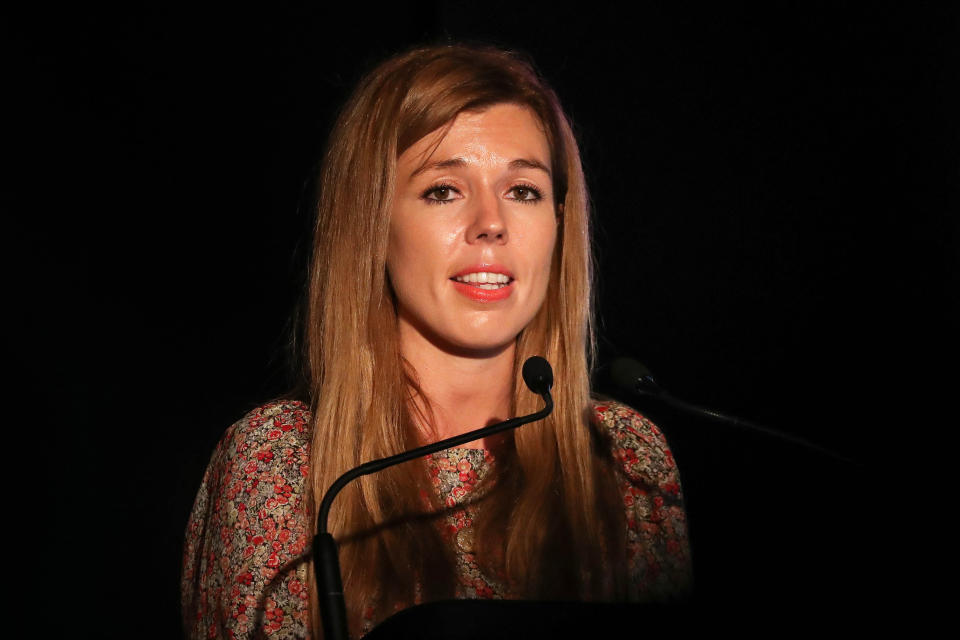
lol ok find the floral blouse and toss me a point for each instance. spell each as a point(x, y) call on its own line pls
point(244, 558)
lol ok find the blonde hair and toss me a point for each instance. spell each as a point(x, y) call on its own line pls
point(554, 491)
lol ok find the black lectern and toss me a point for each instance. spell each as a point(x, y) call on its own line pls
point(508, 619)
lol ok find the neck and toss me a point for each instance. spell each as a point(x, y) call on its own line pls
point(465, 391)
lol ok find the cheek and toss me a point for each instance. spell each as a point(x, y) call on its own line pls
point(542, 245)
point(417, 256)
point(402, 246)
point(399, 263)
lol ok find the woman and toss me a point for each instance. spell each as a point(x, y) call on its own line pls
point(451, 244)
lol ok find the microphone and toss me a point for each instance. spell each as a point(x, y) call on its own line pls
point(633, 376)
point(537, 375)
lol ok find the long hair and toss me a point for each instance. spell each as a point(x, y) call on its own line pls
point(551, 482)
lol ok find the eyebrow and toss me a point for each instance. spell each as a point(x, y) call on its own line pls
point(519, 163)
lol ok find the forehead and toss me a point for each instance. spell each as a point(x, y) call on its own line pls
point(497, 134)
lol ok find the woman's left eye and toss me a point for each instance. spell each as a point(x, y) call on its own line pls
point(525, 193)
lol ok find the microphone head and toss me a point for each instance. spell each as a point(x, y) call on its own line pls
point(630, 374)
point(538, 374)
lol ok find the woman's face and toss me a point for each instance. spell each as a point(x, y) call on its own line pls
point(472, 230)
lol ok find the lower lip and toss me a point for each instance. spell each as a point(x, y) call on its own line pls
point(483, 295)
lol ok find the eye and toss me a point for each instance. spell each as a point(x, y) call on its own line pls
point(440, 194)
point(525, 193)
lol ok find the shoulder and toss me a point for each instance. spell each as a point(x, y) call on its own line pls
point(272, 440)
point(272, 424)
point(658, 552)
point(636, 443)
point(244, 568)
point(266, 441)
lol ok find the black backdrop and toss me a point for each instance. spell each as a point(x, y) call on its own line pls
point(775, 198)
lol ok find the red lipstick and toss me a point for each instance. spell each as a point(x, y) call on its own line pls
point(478, 291)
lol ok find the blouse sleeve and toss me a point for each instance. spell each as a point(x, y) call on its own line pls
point(658, 550)
point(244, 561)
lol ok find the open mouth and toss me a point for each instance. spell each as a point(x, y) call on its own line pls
point(485, 280)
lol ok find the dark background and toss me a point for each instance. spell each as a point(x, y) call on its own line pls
point(775, 198)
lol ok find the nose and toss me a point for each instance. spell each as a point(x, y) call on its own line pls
point(488, 224)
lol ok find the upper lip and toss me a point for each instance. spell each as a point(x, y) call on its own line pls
point(484, 267)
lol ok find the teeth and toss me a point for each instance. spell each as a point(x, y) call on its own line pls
point(485, 280)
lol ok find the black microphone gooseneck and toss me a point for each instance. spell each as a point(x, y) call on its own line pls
point(538, 376)
point(633, 376)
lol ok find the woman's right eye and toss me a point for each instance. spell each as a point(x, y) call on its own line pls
point(440, 194)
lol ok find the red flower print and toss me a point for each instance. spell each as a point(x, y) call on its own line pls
point(653, 566)
point(233, 560)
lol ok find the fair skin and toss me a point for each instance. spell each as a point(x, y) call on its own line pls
point(472, 234)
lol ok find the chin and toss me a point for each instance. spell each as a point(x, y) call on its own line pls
point(465, 336)
point(482, 346)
